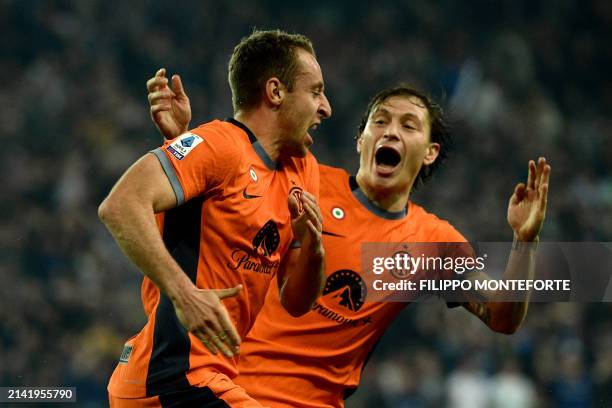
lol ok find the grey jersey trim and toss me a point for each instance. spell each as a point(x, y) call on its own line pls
point(373, 208)
point(171, 174)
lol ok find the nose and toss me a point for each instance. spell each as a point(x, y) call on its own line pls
point(324, 110)
point(391, 133)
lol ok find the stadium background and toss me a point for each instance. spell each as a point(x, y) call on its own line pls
point(521, 78)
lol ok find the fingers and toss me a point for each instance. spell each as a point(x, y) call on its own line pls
point(206, 340)
point(294, 206)
point(228, 333)
point(158, 81)
point(539, 170)
point(544, 174)
point(314, 216)
point(312, 209)
point(544, 183)
point(160, 101)
point(216, 338)
point(519, 193)
point(177, 86)
point(164, 95)
point(543, 197)
point(531, 175)
point(225, 293)
point(217, 333)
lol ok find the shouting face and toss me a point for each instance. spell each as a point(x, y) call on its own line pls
point(304, 107)
point(395, 144)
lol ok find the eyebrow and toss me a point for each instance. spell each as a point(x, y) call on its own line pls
point(319, 86)
point(408, 114)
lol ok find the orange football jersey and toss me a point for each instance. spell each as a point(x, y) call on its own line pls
point(315, 360)
point(231, 226)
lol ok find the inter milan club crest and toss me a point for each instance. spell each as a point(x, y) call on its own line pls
point(267, 239)
point(347, 288)
point(297, 193)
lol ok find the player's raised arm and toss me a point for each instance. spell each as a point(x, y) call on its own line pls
point(169, 105)
point(526, 213)
point(129, 214)
point(302, 273)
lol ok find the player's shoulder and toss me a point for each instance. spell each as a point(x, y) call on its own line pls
point(431, 226)
point(222, 132)
point(333, 174)
point(333, 182)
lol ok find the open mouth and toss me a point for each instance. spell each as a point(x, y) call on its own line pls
point(387, 157)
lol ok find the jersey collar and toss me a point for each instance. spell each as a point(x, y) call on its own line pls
point(270, 164)
point(370, 206)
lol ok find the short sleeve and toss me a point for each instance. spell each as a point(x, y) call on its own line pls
point(199, 161)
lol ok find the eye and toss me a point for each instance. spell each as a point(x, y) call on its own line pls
point(409, 126)
point(379, 121)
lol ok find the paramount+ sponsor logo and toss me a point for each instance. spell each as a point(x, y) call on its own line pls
point(265, 243)
point(347, 291)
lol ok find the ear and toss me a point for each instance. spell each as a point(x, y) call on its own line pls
point(431, 154)
point(359, 143)
point(274, 92)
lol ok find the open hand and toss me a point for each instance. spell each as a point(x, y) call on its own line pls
point(203, 314)
point(527, 206)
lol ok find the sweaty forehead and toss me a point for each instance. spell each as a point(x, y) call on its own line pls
point(403, 105)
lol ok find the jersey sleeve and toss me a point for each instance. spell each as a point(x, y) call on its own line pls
point(198, 162)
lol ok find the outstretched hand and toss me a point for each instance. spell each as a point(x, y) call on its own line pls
point(527, 206)
point(170, 107)
point(306, 221)
point(203, 314)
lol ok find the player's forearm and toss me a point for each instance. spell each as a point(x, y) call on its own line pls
point(133, 227)
point(304, 283)
point(507, 316)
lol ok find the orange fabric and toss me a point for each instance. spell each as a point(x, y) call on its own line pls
point(312, 360)
point(222, 166)
point(151, 402)
point(228, 391)
point(223, 388)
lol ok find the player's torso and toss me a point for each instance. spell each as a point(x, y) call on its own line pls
point(332, 342)
point(235, 233)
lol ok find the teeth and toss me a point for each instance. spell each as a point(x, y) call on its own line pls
point(314, 127)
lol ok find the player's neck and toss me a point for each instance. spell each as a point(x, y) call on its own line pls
point(385, 199)
point(259, 123)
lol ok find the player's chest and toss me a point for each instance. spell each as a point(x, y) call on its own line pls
point(254, 203)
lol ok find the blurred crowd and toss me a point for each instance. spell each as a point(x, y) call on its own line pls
point(518, 78)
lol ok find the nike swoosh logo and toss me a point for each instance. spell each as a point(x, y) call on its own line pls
point(249, 196)
point(332, 234)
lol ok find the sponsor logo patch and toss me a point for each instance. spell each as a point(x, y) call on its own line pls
point(184, 144)
point(125, 354)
